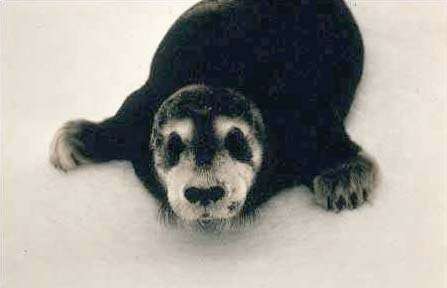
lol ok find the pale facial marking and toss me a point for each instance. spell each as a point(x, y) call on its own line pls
point(183, 127)
point(224, 124)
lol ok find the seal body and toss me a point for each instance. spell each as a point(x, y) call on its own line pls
point(286, 71)
point(298, 61)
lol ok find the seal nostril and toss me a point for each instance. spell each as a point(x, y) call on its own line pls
point(216, 193)
point(193, 194)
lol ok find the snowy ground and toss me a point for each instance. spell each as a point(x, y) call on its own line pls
point(97, 227)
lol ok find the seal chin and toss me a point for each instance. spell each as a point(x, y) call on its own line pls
point(208, 220)
point(212, 225)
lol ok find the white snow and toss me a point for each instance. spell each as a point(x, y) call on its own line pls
point(97, 226)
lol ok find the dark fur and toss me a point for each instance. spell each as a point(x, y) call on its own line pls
point(298, 61)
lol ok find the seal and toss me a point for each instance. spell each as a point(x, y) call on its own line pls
point(244, 98)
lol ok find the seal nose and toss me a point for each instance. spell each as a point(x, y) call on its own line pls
point(204, 196)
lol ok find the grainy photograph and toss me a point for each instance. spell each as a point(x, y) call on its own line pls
point(224, 143)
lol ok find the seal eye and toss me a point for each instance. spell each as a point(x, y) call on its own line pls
point(174, 148)
point(237, 145)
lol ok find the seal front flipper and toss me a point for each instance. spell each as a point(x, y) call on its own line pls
point(121, 137)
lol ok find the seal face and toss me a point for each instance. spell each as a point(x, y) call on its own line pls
point(207, 154)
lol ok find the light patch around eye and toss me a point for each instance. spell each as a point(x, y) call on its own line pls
point(183, 127)
point(224, 124)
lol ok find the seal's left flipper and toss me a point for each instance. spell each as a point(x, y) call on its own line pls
point(81, 142)
point(347, 185)
point(125, 136)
